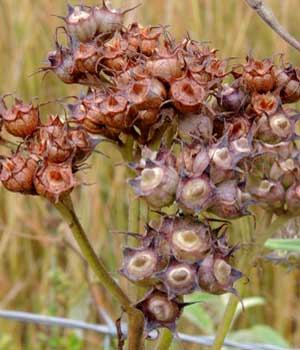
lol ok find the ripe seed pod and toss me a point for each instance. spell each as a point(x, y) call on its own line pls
point(146, 93)
point(54, 180)
point(187, 95)
point(107, 19)
point(217, 276)
point(265, 103)
point(114, 111)
point(159, 310)
point(291, 88)
point(62, 64)
point(230, 202)
point(81, 23)
point(157, 184)
point(17, 173)
point(166, 68)
point(231, 99)
point(179, 278)
point(258, 75)
point(141, 264)
point(268, 192)
point(21, 120)
point(188, 238)
point(195, 193)
point(293, 199)
point(195, 126)
point(86, 57)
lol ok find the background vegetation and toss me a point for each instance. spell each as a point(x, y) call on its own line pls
point(40, 269)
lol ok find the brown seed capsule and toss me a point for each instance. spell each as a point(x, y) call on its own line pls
point(269, 192)
point(258, 75)
point(290, 92)
point(21, 120)
point(187, 95)
point(195, 194)
point(265, 103)
point(195, 126)
point(81, 23)
point(146, 93)
point(159, 310)
point(293, 199)
point(231, 99)
point(179, 278)
point(217, 276)
point(188, 238)
point(86, 57)
point(17, 173)
point(141, 264)
point(230, 202)
point(54, 180)
point(157, 184)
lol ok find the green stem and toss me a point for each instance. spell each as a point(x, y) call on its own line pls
point(165, 340)
point(264, 230)
point(135, 317)
point(66, 209)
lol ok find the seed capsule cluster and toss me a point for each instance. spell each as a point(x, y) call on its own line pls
point(181, 255)
point(48, 154)
point(234, 144)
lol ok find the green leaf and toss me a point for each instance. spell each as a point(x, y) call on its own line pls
point(292, 245)
point(259, 334)
point(196, 313)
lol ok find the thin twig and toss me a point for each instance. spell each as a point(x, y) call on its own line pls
point(267, 15)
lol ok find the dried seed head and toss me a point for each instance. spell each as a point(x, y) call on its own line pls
point(281, 125)
point(54, 180)
point(86, 57)
point(159, 310)
point(290, 92)
point(195, 193)
point(17, 173)
point(216, 275)
point(21, 120)
point(179, 278)
point(166, 69)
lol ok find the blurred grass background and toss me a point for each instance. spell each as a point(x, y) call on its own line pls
point(40, 271)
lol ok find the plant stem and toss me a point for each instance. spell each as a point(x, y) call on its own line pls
point(165, 340)
point(135, 317)
point(264, 230)
point(66, 209)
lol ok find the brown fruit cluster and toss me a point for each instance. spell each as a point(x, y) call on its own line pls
point(180, 255)
point(48, 154)
point(233, 144)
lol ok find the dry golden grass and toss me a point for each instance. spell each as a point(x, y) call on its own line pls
point(39, 272)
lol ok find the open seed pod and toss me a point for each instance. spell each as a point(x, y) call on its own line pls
point(187, 238)
point(140, 265)
point(17, 173)
point(293, 199)
point(21, 119)
point(265, 103)
point(160, 311)
point(54, 180)
point(179, 278)
point(187, 95)
point(157, 184)
point(290, 85)
point(217, 276)
point(195, 193)
point(258, 75)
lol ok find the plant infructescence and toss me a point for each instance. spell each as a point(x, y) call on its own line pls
point(211, 140)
